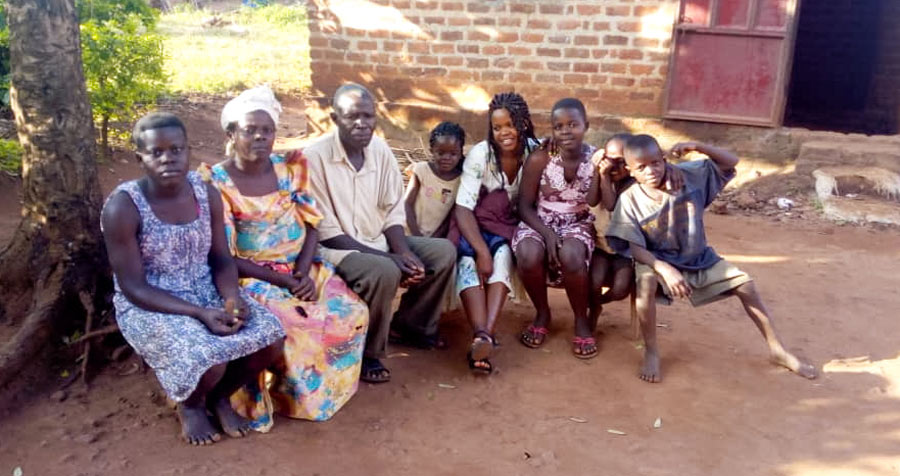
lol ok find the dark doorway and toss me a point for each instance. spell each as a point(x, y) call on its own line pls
point(846, 67)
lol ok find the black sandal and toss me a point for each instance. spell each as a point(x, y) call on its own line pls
point(482, 345)
point(486, 367)
point(480, 351)
point(373, 371)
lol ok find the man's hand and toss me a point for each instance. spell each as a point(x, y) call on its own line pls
point(410, 265)
point(674, 279)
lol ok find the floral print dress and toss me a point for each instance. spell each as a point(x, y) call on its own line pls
point(325, 337)
point(180, 349)
point(563, 206)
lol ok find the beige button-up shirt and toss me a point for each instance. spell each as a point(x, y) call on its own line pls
point(360, 204)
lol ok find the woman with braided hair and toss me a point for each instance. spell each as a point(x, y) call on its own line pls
point(486, 219)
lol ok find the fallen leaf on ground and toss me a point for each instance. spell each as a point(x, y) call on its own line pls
point(657, 423)
point(446, 385)
point(578, 420)
point(615, 432)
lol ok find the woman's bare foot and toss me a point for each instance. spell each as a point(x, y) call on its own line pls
point(791, 362)
point(196, 429)
point(650, 368)
point(233, 424)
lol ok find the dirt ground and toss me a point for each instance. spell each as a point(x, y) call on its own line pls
point(722, 408)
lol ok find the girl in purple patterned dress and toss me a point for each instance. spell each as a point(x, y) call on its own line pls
point(557, 229)
point(177, 297)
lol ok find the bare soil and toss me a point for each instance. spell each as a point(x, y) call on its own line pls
point(722, 408)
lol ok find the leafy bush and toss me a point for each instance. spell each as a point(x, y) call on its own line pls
point(105, 10)
point(10, 156)
point(123, 69)
point(123, 59)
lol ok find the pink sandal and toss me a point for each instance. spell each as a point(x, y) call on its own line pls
point(582, 344)
point(533, 336)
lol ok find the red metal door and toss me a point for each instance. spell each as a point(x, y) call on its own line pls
point(730, 61)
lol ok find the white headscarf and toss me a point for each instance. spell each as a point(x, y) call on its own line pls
point(260, 98)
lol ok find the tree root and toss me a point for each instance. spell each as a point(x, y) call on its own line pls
point(36, 329)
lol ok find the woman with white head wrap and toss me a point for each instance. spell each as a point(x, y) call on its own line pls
point(270, 222)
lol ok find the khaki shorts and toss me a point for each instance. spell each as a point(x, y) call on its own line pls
point(708, 285)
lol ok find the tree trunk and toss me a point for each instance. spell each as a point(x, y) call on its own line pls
point(104, 138)
point(56, 254)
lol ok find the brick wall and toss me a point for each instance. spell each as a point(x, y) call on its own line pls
point(428, 60)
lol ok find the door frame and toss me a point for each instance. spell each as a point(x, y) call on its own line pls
point(784, 75)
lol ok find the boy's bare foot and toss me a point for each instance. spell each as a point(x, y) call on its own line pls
point(650, 368)
point(791, 362)
point(196, 429)
point(233, 424)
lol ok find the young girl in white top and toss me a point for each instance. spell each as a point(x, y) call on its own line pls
point(431, 192)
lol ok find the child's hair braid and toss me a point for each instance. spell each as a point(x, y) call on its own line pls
point(450, 129)
point(515, 104)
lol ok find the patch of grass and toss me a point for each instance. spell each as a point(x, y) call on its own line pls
point(253, 46)
point(10, 156)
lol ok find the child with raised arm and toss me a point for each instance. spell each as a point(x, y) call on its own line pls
point(432, 187)
point(664, 233)
point(557, 229)
point(609, 269)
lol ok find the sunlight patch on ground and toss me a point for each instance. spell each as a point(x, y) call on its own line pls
point(865, 466)
point(888, 369)
point(250, 47)
point(756, 258)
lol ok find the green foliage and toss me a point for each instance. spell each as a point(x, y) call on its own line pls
point(10, 156)
point(123, 58)
point(4, 58)
point(276, 15)
point(123, 68)
point(118, 10)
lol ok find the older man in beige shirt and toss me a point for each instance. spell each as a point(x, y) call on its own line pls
point(357, 184)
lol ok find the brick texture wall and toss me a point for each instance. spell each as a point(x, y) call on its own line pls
point(428, 59)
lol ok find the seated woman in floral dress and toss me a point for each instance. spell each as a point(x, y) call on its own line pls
point(270, 220)
point(177, 298)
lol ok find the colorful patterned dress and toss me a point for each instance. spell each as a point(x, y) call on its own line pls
point(325, 338)
point(180, 349)
point(563, 206)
